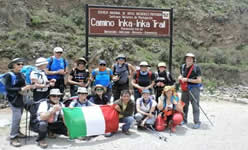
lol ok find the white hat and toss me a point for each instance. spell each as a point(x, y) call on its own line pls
point(41, 61)
point(82, 90)
point(143, 63)
point(57, 49)
point(162, 64)
point(55, 92)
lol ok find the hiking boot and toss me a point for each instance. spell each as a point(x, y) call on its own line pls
point(126, 132)
point(15, 142)
point(42, 144)
point(196, 126)
point(51, 135)
point(183, 123)
point(21, 135)
point(109, 134)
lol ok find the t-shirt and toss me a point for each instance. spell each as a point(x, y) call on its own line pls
point(41, 77)
point(194, 74)
point(146, 105)
point(144, 80)
point(56, 65)
point(102, 77)
point(79, 75)
point(43, 107)
point(124, 106)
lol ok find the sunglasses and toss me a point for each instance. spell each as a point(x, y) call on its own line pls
point(59, 52)
point(55, 95)
point(20, 64)
point(81, 63)
point(83, 93)
point(99, 89)
point(102, 65)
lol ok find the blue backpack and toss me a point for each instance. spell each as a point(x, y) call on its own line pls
point(3, 82)
point(26, 71)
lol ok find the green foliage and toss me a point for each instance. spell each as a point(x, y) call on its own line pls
point(35, 20)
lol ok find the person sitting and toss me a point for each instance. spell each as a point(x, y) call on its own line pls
point(99, 97)
point(170, 107)
point(82, 100)
point(50, 118)
point(125, 108)
point(145, 109)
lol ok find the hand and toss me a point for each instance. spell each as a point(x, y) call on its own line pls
point(56, 108)
point(61, 72)
point(150, 115)
point(81, 84)
point(117, 107)
point(116, 78)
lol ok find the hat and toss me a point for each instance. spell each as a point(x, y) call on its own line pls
point(120, 56)
point(82, 90)
point(100, 86)
point(55, 92)
point(146, 91)
point(57, 49)
point(41, 61)
point(102, 62)
point(81, 59)
point(167, 88)
point(162, 64)
point(143, 63)
point(14, 61)
point(189, 55)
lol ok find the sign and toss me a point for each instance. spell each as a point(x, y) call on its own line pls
point(128, 22)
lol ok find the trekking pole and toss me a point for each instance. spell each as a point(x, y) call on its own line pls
point(154, 132)
point(200, 107)
point(26, 130)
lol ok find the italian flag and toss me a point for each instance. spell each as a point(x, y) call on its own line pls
point(91, 120)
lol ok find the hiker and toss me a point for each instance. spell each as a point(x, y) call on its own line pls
point(50, 119)
point(103, 75)
point(163, 78)
point(15, 98)
point(145, 107)
point(57, 68)
point(99, 97)
point(142, 79)
point(125, 107)
point(82, 100)
point(122, 71)
point(39, 79)
point(190, 73)
point(170, 107)
point(79, 76)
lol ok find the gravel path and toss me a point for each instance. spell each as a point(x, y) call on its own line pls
point(230, 132)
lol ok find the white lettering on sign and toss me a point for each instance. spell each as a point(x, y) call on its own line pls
point(142, 24)
point(124, 23)
point(104, 23)
point(159, 24)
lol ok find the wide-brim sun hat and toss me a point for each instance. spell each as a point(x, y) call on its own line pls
point(14, 61)
point(162, 64)
point(168, 88)
point(55, 92)
point(41, 61)
point(81, 59)
point(189, 55)
point(100, 86)
point(144, 63)
point(58, 49)
point(122, 56)
point(82, 90)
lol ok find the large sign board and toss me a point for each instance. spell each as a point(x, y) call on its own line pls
point(128, 22)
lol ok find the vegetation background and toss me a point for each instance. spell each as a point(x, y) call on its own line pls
point(216, 31)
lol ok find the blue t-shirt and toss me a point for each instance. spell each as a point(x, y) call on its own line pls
point(102, 77)
point(56, 65)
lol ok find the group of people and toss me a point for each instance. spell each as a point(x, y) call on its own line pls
point(48, 85)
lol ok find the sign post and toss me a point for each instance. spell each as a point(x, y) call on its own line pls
point(110, 21)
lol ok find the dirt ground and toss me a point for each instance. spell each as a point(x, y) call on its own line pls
point(229, 132)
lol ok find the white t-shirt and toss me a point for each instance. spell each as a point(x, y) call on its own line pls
point(43, 107)
point(41, 77)
point(146, 107)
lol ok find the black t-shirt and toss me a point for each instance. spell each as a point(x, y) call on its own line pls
point(196, 72)
point(144, 80)
point(79, 75)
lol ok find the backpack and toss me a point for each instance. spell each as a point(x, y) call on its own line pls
point(138, 74)
point(122, 74)
point(3, 82)
point(26, 71)
point(126, 66)
point(51, 62)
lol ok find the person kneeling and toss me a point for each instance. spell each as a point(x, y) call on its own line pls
point(49, 118)
point(145, 110)
point(125, 107)
point(170, 107)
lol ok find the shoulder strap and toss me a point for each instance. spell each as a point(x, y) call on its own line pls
point(50, 63)
point(64, 64)
point(150, 74)
point(114, 69)
point(13, 78)
point(137, 76)
point(190, 71)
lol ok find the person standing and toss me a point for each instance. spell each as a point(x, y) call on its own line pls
point(57, 68)
point(122, 71)
point(125, 107)
point(143, 79)
point(15, 98)
point(103, 75)
point(79, 76)
point(39, 79)
point(190, 73)
point(163, 78)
